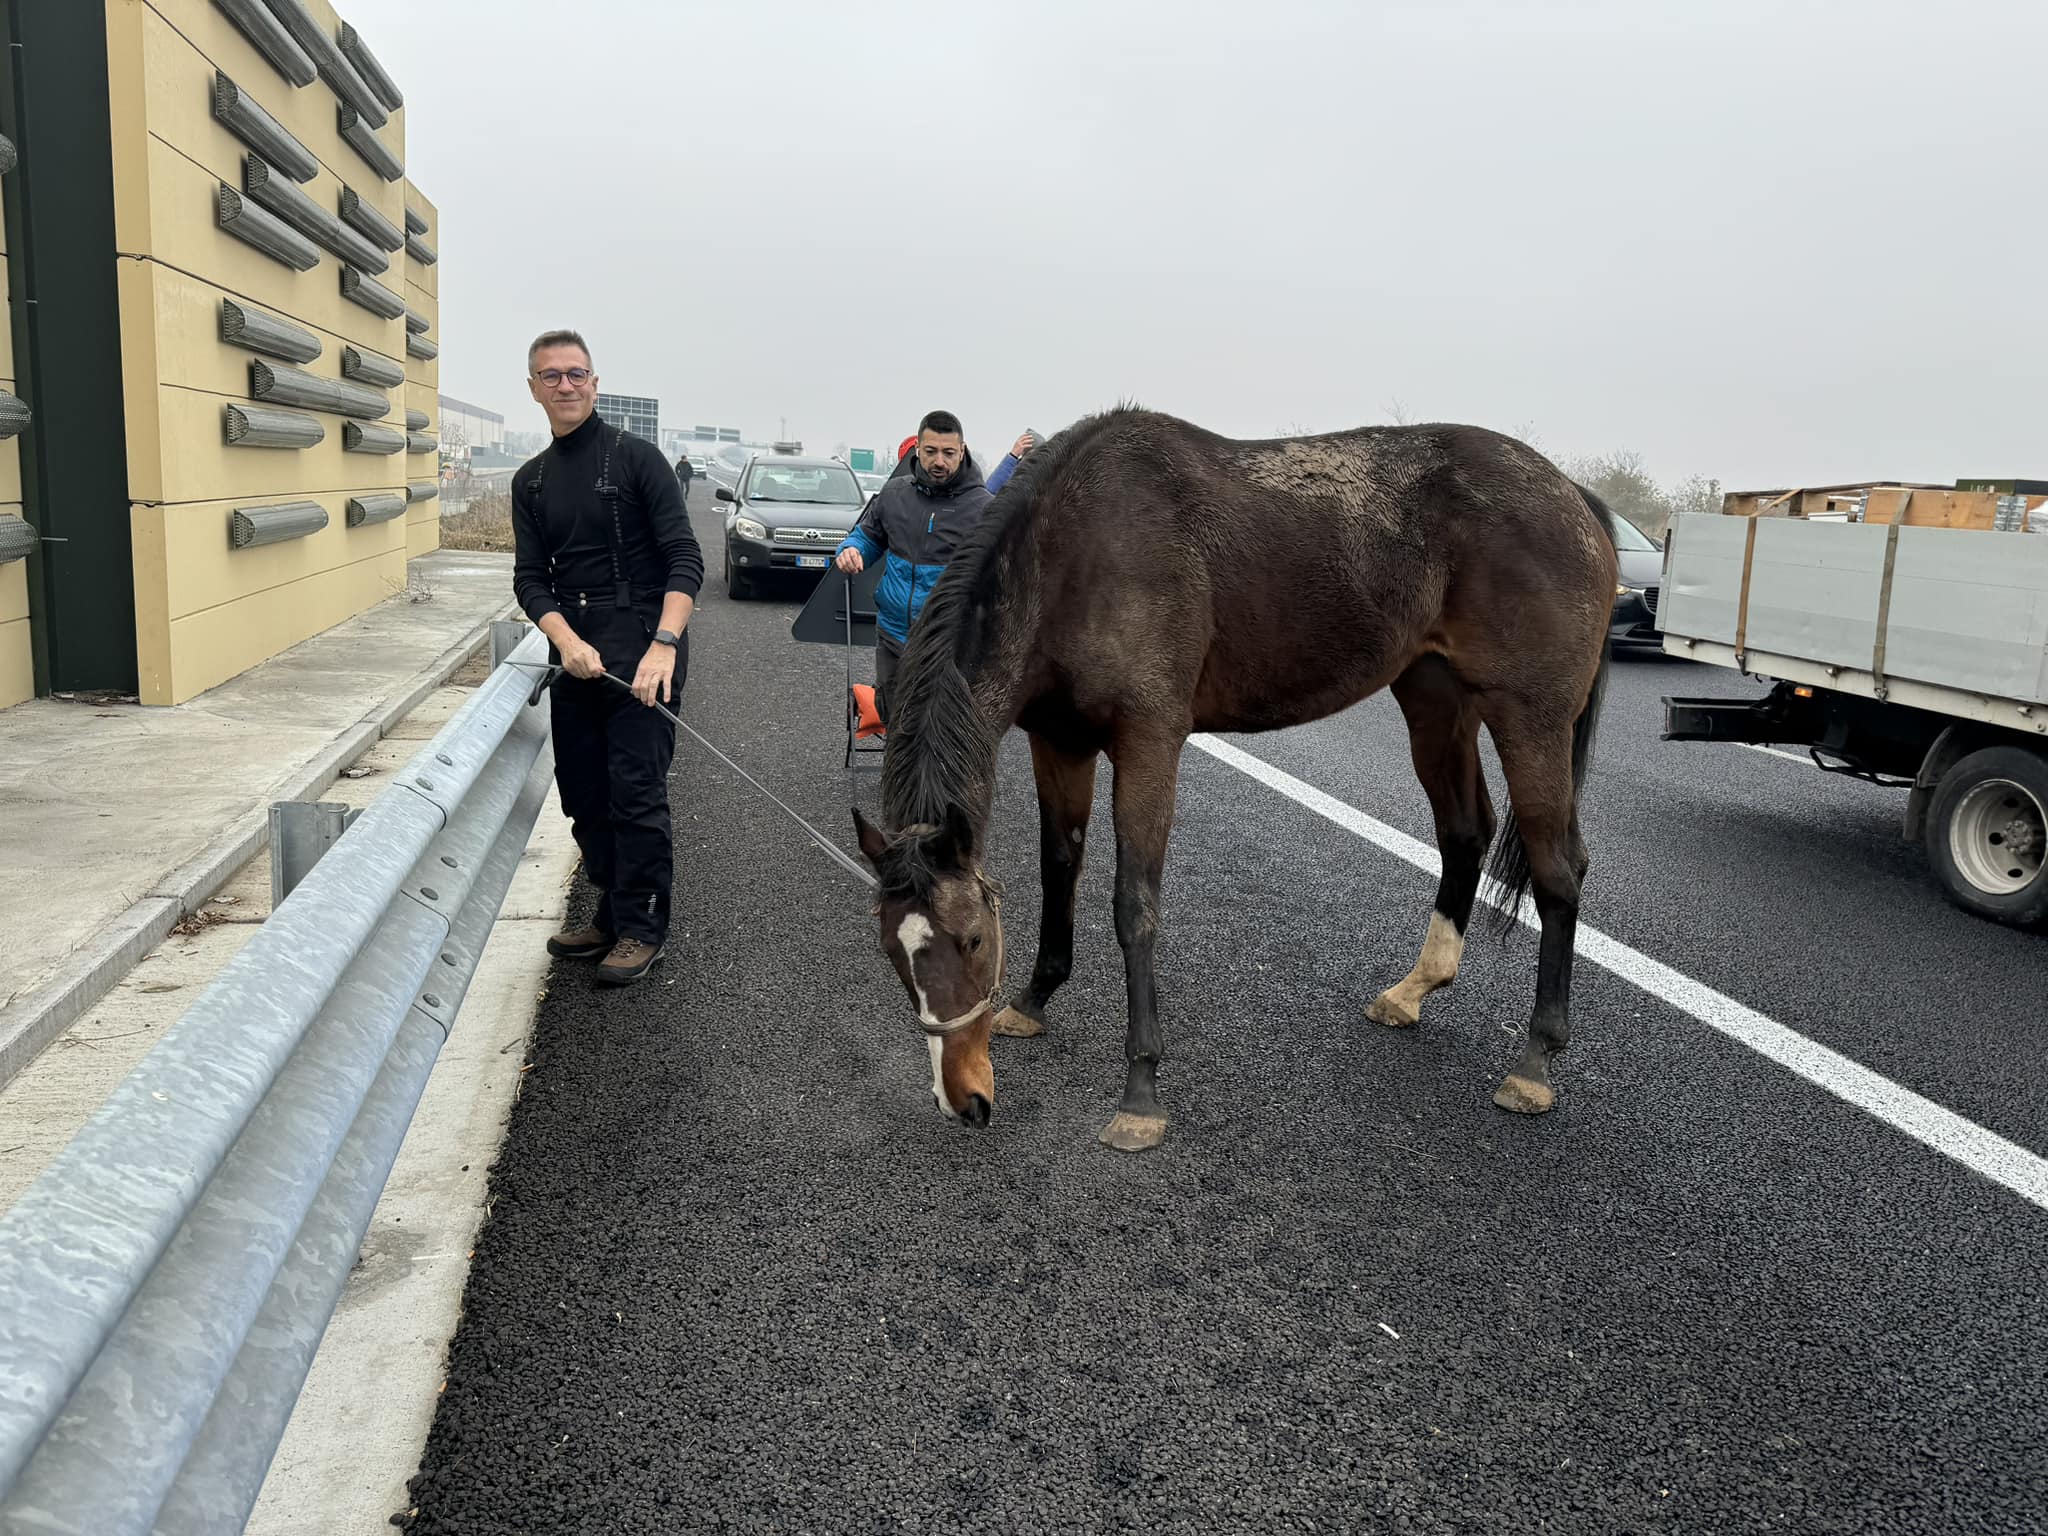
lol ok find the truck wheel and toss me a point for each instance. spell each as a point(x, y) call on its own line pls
point(1987, 834)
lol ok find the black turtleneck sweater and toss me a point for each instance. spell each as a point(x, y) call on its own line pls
point(562, 542)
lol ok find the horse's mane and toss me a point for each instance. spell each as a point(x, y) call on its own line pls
point(941, 751)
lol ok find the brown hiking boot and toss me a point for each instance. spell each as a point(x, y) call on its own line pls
point(583, 944)
point(629, 960)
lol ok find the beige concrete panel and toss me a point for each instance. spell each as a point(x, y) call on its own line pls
point(420, 398)
point(202, 571)
point(186, 314)
point(308, 114)
point(6, 329)
point(424, 206)
point(14, 580)
point(198, 464)
point(178, 79)
point(135, 290)
point(128, 118)
point(422, 538)
point(17, 664)
point(184, 234)
point(10, 469)
point(425, 274)
point(216, 644)
point(152, 604)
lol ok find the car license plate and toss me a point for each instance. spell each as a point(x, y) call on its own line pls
point(810, 562)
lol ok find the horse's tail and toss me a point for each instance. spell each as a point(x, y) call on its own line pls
point(1509, 868)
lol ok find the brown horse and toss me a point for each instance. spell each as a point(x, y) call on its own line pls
point(1140, 579)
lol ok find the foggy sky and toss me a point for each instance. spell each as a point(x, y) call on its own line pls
point(1770, 243)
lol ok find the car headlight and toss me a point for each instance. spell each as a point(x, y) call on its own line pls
point(747, 528)
point(1623, 589)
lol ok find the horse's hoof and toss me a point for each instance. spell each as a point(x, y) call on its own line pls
point(1012, 1021)
point(1391, 1011)
point(1133, 1133)
point(1524, 1097)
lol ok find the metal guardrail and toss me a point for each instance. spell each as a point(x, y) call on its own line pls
point(165, 1283)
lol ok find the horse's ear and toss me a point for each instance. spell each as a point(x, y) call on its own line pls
point(872, 844)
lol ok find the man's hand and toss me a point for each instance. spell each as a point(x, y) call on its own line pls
point(580, 657)
point(850, 561)
point(1023, 445)
point(657, 672)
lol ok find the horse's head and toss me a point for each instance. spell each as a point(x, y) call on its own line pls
point(942, 928)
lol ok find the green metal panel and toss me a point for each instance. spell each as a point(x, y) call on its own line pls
point(65, 310)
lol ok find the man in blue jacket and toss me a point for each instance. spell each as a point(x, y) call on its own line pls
point(913, 524)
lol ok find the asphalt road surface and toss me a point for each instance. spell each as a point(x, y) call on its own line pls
point(740, 1276)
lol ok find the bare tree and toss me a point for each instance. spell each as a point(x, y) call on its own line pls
point(1695, 493)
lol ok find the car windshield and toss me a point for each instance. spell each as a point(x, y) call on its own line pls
point(812, 483)
point(1628, 536)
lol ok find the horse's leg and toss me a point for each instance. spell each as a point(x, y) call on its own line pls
point(1146, 768)
point(1536, 757)
point(1066, 794)
point(1443, 739)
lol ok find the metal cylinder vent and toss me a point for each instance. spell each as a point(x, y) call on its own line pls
point(243, 325)
point(290, 386)
point(379, 507)
point(368, 437)
point(265, 426)
point(249, 526)
point(371, 368)
point(265, 231)
point(260, 131)
point(359, 287)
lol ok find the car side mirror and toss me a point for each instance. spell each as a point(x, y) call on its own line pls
point(724, 493)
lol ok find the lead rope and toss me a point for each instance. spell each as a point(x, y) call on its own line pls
point(838, 855)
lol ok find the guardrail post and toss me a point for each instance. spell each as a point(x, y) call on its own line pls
point(505, 636)
point(300, 831)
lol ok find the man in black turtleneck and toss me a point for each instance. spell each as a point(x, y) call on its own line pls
point(606, 565)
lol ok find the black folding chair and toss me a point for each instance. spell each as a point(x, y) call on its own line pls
point(841, 611)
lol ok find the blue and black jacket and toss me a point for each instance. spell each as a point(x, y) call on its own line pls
point(914, 527)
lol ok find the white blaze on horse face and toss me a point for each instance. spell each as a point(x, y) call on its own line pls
point(913, 934)
point(938, 1049)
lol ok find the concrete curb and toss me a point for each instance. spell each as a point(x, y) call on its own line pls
point(91, 971)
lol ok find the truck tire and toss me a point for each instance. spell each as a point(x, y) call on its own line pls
point(1987, 835)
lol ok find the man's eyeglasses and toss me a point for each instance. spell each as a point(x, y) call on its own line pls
point(553, 376)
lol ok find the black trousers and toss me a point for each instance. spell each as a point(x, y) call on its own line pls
point(887, 653)
point(612, 756)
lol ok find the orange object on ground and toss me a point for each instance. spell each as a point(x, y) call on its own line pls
point(864, 704)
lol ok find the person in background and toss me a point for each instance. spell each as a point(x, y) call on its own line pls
point(1003, 471)
point(913, 524)
point(685, 471)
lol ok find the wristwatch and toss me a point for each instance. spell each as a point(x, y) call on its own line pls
point(665, 637)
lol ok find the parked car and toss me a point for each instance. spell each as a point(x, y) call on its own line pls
point(785, 519)
point(1634, 621)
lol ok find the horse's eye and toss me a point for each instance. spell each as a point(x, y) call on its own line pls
point(974, 943)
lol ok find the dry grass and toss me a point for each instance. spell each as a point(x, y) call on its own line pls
point(486, 523)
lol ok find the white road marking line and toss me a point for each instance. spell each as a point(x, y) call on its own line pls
point(1790, 757)
point(1982, 1151)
